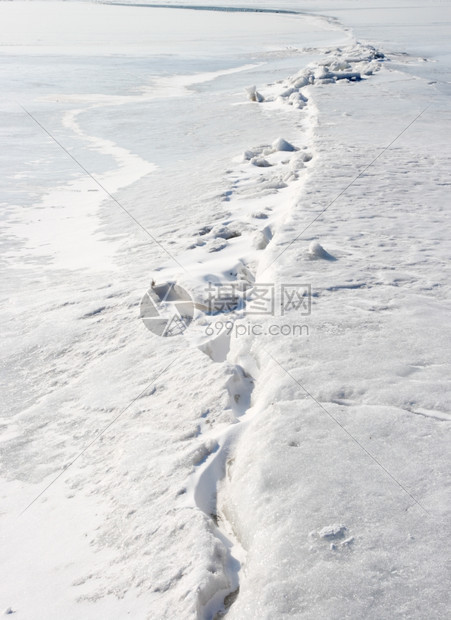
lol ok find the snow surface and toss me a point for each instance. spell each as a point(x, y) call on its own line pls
point(233, 470)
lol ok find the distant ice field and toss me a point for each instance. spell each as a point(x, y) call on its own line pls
point(146, 76)
point(82, 28)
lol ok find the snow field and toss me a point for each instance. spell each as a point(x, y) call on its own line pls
point(227, 488)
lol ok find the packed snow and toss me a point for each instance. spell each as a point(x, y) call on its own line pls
point(225, 310)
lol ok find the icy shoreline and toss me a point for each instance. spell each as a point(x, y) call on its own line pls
point(256, 475)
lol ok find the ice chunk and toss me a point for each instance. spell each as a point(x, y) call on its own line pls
point(332, 531)
point(282, 145)
point(254, 95)
point(260, 162)
point(225, 232)
point(316, 250)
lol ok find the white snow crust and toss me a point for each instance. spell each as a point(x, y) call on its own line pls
point(293, 464)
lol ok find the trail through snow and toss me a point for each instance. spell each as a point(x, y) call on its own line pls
point(282, 464)
point(260, 174)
